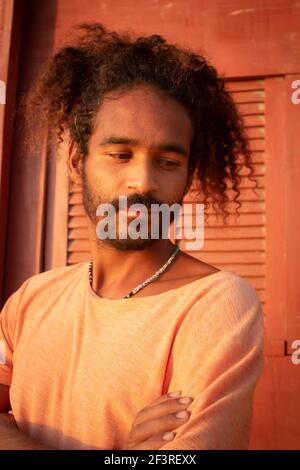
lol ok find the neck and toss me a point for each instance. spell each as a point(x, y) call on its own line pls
point(116, 272)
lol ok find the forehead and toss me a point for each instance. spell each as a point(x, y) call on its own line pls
point(143, 113)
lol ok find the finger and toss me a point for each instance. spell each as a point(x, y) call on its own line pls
point(156, 442)
point(169, 422)
point(165, 397)
point(165, 407)
point(160, 399)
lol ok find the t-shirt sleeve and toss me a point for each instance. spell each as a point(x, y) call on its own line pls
point(217, 358)
point(8, 321)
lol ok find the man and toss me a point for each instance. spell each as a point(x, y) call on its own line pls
point(91, 352)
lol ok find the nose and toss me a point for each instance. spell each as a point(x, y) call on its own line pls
point(141, 178)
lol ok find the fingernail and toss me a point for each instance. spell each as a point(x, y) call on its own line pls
point(168, 436)
point(181, 414)
point(174, 394)
point(185, 400)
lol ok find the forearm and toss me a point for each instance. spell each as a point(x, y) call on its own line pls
point(13, 439)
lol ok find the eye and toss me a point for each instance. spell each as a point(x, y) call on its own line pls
point(119, 155)
point(168, 163)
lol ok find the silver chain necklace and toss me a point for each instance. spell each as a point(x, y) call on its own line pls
point(143, 284)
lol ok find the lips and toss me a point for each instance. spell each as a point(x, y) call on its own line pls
point(132, 213)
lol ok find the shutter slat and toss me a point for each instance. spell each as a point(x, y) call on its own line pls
point(77, 222)
point(256, 96)
point(258, 157)
point(76, 209)
point(255, 120)
point(258, 282)
point(247, 207)
point(74, 258)
point(219, 258)
point(259, 169)
point(239, 244)
point(257, 144)
point(78, 246)
point(75, 198)
point(243, 220)
point(78, 234)
point(223, 233)
point(246, 195)
point(247, 183)
point(246, 270)
point(251, 108)
point(245, 85)
point(256, 132)
point(75, 188)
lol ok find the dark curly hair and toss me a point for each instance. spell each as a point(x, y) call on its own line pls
point(68, 94)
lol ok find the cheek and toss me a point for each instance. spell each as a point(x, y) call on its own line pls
point(102, 182)
point(173, 186)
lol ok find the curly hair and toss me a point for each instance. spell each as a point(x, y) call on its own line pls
point(69, 91)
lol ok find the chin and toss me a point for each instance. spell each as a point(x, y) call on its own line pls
point(131, 245)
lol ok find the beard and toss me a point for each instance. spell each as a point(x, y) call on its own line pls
point(92, 200)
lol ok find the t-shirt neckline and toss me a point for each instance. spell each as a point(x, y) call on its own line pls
point(145, 298)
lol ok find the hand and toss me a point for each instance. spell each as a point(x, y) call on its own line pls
point(154, 423)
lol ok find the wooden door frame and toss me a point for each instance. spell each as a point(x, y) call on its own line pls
point(25, 208)
point(11, 15)
point(282, 223)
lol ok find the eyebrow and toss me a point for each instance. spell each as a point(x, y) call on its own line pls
point(176, 148)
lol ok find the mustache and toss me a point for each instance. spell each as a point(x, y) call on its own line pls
point(146, 200)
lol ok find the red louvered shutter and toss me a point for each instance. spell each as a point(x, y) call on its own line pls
point(240, 245)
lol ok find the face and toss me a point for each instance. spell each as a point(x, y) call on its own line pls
point(140, 149)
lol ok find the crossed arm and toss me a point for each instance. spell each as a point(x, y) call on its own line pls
point(10, 436)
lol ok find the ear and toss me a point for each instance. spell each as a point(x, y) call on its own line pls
point(74, 163)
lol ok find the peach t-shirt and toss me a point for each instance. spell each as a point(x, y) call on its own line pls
point(80, 366)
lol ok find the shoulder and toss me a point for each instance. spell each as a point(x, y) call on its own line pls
point(53, 280)
point(40, 290)
point(236, 290)
point(226, 300)
point(228, 286)
point(223, 322)
point(64, 274)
